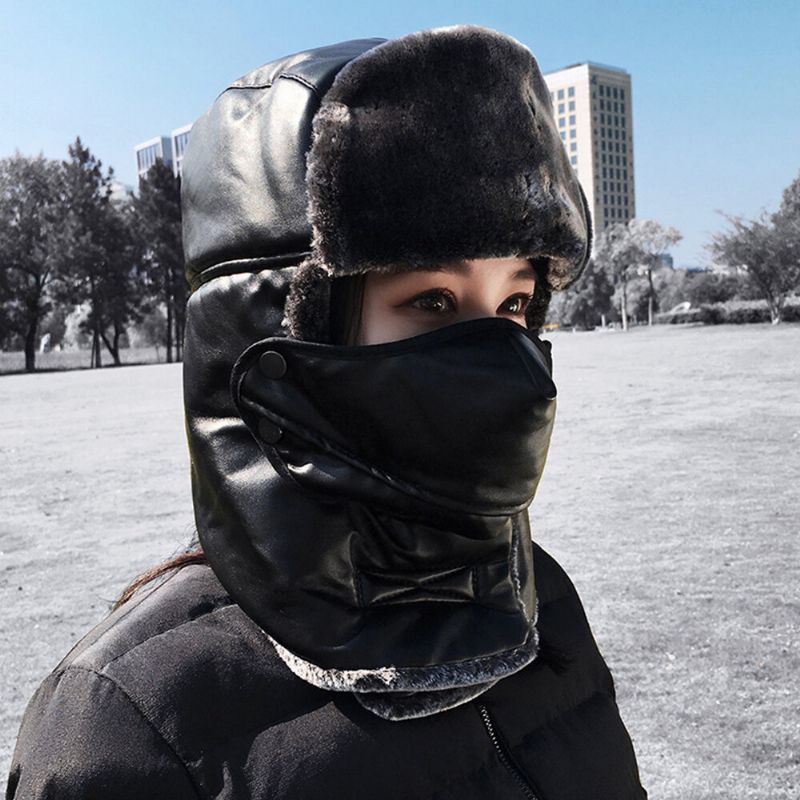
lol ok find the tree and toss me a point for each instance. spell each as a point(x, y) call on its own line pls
point(787, 232)
point(767, 249)
point(159, 239)
point(758, 248)
point(652, 240)
point(97, 253)
point(30, 213)
point(589, 299)
point(617, 254)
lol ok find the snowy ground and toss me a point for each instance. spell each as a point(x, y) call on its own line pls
point(670, 496)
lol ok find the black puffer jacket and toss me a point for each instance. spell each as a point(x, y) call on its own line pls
point(178, 694)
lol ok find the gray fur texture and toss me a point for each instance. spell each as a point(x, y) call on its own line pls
point(407, 693)
point(441, 145)
point(396, 706)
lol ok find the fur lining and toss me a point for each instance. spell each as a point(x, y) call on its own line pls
point(401, 705)
point(414, 679)
point(307, 309)
point(403, 172)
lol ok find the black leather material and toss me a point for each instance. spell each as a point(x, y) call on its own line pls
point(458, 419)
point(256, 135)
point(397, 535)
point(387, 523)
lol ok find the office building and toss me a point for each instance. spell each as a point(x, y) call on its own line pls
point(592, 106)
point(169, 149)
point(147, 153)
point(179, 138)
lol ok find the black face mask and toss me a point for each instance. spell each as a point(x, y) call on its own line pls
point(451, 423)
point(375, 523)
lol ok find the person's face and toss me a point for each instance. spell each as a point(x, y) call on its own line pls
point(403, 304)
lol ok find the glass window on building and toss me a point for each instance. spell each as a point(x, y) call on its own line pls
point(625, 174)
point(572, 133)
point(571, 105)
point(573, 160)
point(571, 91)
point(560, 94)
point(622, 94)
point(560, 108)
point(624, 148)
point(180, 143)
point(571, 119)
point(573, 147)
point(602, 105)
point(564, 135)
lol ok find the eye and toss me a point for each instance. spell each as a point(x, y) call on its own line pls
point(434, 301)
point(517, 304)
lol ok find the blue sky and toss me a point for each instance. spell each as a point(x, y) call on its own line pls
point(716, 85)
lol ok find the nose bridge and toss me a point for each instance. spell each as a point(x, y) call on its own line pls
point(476, 308)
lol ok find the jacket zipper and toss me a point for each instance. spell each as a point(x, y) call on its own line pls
point(504, 756)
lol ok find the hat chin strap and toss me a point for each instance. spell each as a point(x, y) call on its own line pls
point(408, 693)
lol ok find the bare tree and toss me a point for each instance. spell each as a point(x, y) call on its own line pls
point(758, 248)
point(767, 249)
point(616, 252)
point(652, 240)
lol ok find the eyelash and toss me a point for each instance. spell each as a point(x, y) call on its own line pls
point(433, 294)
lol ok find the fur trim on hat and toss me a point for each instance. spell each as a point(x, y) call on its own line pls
point(441, 145)
point(307, 309)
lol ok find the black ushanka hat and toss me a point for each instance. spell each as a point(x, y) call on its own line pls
point(437, 146)
point(374, 155)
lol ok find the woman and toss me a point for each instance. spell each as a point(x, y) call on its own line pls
point(372, 232)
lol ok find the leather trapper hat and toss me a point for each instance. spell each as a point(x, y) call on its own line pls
point(306, 524)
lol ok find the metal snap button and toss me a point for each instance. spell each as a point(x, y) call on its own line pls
point(272, 364)
point(269, 431)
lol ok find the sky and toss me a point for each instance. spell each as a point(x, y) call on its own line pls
point(716, 85)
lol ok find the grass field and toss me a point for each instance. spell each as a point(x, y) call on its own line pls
point(14, 362)
point(670, 496)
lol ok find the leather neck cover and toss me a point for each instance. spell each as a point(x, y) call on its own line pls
point(367, 506)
